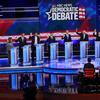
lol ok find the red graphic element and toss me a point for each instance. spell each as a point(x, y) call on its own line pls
point(85, 25)
point(4, 26)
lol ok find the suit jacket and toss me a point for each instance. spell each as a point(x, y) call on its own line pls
point(21, 42)
point(88, 65)
point(32, 38)
point(51, 40)
point(82, 36)
point(97, 36)
point(67, 38)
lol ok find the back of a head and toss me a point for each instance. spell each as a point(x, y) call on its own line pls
point(89, 60)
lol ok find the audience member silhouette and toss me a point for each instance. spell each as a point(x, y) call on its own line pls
point(30, 91)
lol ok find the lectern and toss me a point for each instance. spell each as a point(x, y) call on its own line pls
point(53, 51)
point(39, 60)
point(14, 53)
point(26, 55)
point(83, 49)
point(68, 50)
point(97, 49)
point(39, 53)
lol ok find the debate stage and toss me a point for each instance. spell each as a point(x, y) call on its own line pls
point(52, 71)
point(60, 66)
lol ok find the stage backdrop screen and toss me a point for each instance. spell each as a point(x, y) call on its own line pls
point(18, 16)
point(53, 15)
point(56, 15)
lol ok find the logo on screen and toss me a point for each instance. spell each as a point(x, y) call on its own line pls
point(66, 12)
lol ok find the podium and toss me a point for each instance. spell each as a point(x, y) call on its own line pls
point(53, 51)
point(39, 53)
point(14, 53)
point(26, 55)
point(68, 55)
point(83, 49)
point(68, 50)
point(97, 49)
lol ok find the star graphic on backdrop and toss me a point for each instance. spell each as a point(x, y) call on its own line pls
point(49, 14)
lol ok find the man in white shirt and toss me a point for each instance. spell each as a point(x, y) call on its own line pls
point(35, 39)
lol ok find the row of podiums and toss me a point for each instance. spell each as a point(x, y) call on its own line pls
point(53, 52)
point(53, 57)
point(39, 53)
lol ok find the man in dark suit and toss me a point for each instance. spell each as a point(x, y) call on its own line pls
point(51, 39)
point(89, 65)
point(22, 42)
point(97, 35)
point(67, 37)
point(83, 35)
point(35, 39)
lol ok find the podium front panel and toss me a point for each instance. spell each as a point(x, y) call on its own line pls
point(68, 50)
point(14, 53)
point(83, 49)
point(97, 49)
point(39, 53)
point(26, 54)
point(53, 51)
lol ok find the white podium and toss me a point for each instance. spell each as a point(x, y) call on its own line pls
point(39, 53)
point(14, 53)
point(83, 49)
point(97, 49)
point(68, 50)
point(53, 51)
point(26, 55)
point(39, 60)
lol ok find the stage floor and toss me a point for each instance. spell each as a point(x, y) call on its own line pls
point(60, 63)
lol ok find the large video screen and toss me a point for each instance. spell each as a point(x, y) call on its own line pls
point(53, 15)
point(57, 15)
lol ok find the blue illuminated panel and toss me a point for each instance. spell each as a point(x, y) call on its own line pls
point(83, 49)
point(14, 81)
point(97, 49)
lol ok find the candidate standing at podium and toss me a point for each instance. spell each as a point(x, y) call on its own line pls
point(22, 42)
point(97, 35)
point(67, 37)
point(83, 44)
point(9, 46)
point(35, 39)
point(83, 35)
point(51, 39)
point(97, 44)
